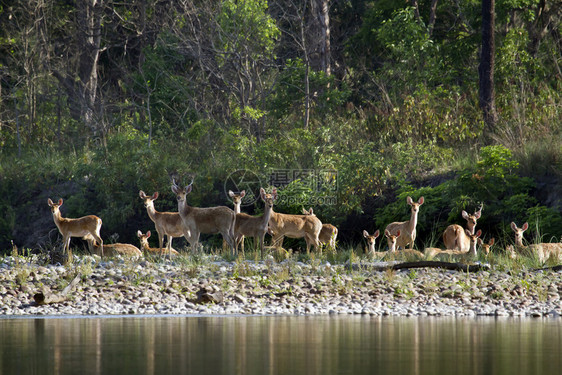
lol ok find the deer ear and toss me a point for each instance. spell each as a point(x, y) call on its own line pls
point(242, 193)
point(155, 195)
point(231, 194)
point(525, 226)
point(513, 226)
point(479, 233)
point(377, 233)
point(464, 214)
point(409, 200)
point(142, 194)
point(387, 233)
point(148, 234)
point(50, 202)
point(467, 232)
point(398, 234)
point(139, 233)
point(478, 213)
point(274, 193)
point(188, 188)
point(60, 204)
point(421, 200)
point(365, 234)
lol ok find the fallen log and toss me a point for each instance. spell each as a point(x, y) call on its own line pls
point(47, 297)
point(434, 264)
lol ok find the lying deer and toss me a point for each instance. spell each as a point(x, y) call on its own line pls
point(209, 220)
point(150, 250)
point(433, 252)
point(123, 249)
point(255, 226)
point(392, 241)
point(405, 231)
point(295, 226)
point(455, 237)
point(486, 247)
point(544, 251)
point(371, 241)
point(328, 234)
point(80, 227)
point(167, 223)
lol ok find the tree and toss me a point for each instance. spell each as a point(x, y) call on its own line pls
point(486, 67)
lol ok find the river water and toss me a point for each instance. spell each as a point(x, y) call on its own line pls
point(279, 345)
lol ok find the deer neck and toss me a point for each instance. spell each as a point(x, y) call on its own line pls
point(237, 208)
point(151, 211)
point(413, 221)
point(267, 214)
point(471, 227)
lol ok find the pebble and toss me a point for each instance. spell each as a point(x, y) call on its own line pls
point(168, 287)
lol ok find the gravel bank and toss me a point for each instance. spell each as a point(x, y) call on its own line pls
point(213, 286)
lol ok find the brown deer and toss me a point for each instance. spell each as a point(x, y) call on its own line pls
point(405, 231)
point(328, 234)
point(167, 223)
point(80, 227)
point(255, 226)
point(237, 200)
point(544, 251)
point(150, 250)
point(209, 220)
point(295, 226)
point(454, 236)
point(471, 252)
point(371, 241)
point(113, 249)
point(392, 240)
point(486, 247)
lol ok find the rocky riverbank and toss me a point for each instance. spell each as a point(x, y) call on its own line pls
point(209, 285)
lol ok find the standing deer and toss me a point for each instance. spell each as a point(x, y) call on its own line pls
point(209, 220)
point(454, 236)
point(255, 226)
point(113, 249)
point(295, 226)
point(328, 234)
point(405, 231)
point(392, 240)
point(473, 240)
point(167, 223)
point(237, 200)
point(544, 251)
point(81, 227)
point(150, 250)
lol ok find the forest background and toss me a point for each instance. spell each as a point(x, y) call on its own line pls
point(349, 105)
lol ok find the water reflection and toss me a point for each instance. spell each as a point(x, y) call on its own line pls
point(274, 345)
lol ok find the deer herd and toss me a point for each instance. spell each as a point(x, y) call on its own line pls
point(234, 226)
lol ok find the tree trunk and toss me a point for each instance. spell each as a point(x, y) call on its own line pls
point(486, 68)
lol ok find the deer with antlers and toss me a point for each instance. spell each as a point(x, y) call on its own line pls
point(543, 251)
point(80, 227)
point(454, 236)
point(210, 220)
point(405, 231)
point(255, 226)
point(167, 223)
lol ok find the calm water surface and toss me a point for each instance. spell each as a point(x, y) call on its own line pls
point(279, 345)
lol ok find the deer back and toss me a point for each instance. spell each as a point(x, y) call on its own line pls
point(294, 226)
